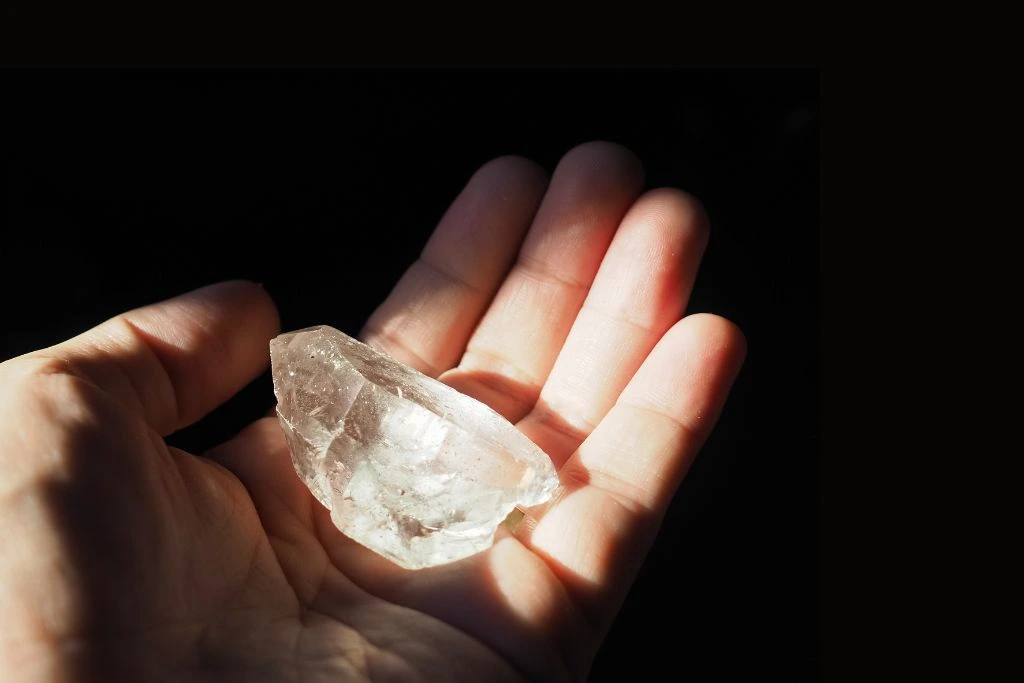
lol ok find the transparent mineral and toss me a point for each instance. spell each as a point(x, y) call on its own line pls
point(408, 466)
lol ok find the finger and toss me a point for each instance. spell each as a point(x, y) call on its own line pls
point(177, 360)
point(619, 483)
point(515, 345)
point(428, 317)
point(640, 290)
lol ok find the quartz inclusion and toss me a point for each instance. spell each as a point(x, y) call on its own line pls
point(408, 466)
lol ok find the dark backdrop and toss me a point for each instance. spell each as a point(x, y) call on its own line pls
point(125, 187)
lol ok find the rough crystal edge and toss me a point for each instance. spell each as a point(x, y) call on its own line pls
point(515, 516)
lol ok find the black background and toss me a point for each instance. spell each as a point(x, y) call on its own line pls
point(124, 187)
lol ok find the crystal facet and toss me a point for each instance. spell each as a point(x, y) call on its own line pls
point(408, 466)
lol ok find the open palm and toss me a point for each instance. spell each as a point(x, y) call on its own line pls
point(557, 303)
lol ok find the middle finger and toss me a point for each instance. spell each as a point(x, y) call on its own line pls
point(515, 345)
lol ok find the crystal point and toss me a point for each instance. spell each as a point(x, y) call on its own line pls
point(408, 466)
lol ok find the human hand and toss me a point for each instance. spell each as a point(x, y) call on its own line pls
point(126, 559)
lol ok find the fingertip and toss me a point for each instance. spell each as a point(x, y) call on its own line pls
point(662, 241)
point(723, 330)
point(211, 342)
point(605, 153)
point(691, 369)
point(515, 168)
point(246, 296)
point(263, 303)
point(720, 337)
point(592, 189)
point(677, 211)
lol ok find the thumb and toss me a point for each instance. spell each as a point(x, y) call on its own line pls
point(177, 360)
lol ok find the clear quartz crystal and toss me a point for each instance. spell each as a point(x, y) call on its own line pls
point(408, 466)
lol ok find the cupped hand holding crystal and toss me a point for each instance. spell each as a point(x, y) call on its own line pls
point(558, 303)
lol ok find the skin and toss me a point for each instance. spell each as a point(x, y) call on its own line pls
point(558, 301)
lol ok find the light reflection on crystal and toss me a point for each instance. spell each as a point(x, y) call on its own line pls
point(408, 466)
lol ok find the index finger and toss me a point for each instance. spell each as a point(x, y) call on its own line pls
point(427, 319)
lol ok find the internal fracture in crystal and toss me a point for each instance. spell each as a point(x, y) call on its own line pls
point(408, 466)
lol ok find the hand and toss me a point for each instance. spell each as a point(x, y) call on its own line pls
point(558, 304)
